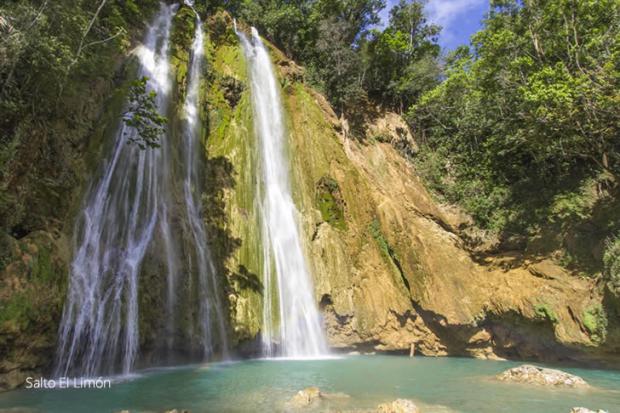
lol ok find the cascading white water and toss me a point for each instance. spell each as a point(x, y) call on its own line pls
point(99, 328)
point(299, 333)
point(210, 303)
point(130, 206)
point(100, 318)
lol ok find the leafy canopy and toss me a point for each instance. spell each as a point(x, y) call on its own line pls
point(529, 113)
point(143, 116)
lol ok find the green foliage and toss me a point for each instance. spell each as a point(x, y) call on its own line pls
point(345, 59)
point(40, 295)
point(182, 34)
point(611, 261)
point(544, 312)
point(402, 59)
point(330, 202)
point(335, 66)
point(595, 322)
point(388, 252)
point(57, 60)
point(44, 43)
point(143, 116)
point(375, 231)
point(17, 311)
point(527, 118)
point(573, 205)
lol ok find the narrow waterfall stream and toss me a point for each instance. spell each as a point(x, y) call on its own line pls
point(210, 303)
point(131, 209)
point(295, 331)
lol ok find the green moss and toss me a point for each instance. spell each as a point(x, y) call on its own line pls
point(382, 138)
point(611, 263)
point(330, 203)
point(595, 322)
point(42, 269)
point(544, 312)
point(17, 311)
point(41, 295)
point(228, 60)
point(387, 251)
point(231, 180)
point(183, 27)
point(375, 231)
point(181, 39)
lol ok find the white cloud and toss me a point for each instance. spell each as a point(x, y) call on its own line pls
point(458, 18)
point(452, 15)
point(446, 12)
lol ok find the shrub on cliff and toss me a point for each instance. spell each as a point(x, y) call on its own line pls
point(611, 260)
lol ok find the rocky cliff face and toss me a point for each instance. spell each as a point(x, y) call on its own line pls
point(391, 267)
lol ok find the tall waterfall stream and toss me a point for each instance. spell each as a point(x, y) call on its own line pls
point(296, 329)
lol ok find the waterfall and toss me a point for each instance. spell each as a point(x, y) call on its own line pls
point(129, 210)
point(99, 327)
point(297, 331)
point(210, 304)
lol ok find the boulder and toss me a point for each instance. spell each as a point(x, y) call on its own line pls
point(541, 376)
point(305, 398)
point(398, 406)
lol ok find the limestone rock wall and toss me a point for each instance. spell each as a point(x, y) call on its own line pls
point(390, 267)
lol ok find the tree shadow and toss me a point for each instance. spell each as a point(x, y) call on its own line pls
point(247, 280)
point(220, 177)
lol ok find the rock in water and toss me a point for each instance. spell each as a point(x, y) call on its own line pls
point(540, 376)
point(305, 398)
point(398, 406)
point(584, 410)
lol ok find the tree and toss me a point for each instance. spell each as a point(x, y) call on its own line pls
point(530, 114)
point(143, 116)
point(338, 66)
point(402, 59)
point(324, 35)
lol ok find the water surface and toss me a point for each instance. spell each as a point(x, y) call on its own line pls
point(436, 384)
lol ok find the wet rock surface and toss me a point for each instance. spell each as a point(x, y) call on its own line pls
point(398, 406)
point(529, 374)
point(305, 398)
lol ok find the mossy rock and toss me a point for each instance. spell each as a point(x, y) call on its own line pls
point(181, 39)
point(544, 312)
point(611, 262)
point(221, 28)
point(330, 202)
point(595, 321)
point(32, 291)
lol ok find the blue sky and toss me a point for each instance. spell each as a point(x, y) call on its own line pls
point(459, 18)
